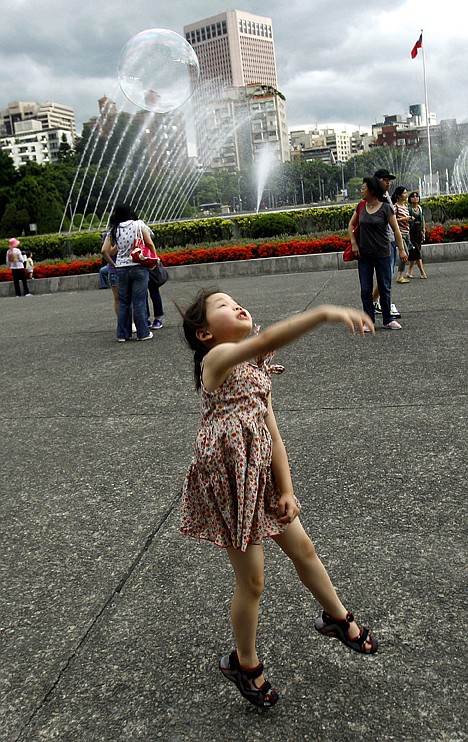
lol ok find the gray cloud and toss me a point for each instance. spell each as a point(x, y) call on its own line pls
point(337, 61)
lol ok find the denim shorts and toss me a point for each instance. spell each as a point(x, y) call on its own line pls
point(113, 279)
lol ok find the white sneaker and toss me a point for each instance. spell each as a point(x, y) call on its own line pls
point(393, 325)
point(366, 328)
point(394, 311)
point(148, 337)
point(133, 327)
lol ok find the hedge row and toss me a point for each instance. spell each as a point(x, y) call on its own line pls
point(254, 226)
point(212, 254)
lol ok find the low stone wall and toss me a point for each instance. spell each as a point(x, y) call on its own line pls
point(446, 252)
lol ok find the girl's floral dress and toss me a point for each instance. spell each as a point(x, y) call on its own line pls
point(229, 493)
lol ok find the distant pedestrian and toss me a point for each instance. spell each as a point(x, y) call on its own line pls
point(417, 234)
point(156, 300)
point(132, 278)
point(373, 249)
point(238, 489)
point(30, 266)
point(14, 259)
point(400, 203)
point(385, 179)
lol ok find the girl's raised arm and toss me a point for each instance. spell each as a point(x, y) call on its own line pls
point(224, 357)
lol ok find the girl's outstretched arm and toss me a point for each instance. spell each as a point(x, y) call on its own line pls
point(221, 359)
point(287, 506)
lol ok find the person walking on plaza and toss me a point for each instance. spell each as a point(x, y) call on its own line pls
point(417, 234)
point(14, 260)
point(385, 178)
point(400, 202)
point(238, 489)
point(373, 249)
point(132, 278)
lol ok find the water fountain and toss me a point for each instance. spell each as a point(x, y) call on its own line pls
point(141, 157)
point(264, 166)
point(460, 172)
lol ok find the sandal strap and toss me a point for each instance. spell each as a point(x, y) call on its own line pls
point(328, 618)
point(251, 673)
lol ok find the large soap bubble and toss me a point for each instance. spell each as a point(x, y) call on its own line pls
point(158, 70)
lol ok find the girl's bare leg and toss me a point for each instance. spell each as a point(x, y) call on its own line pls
point(115, 292)
point(421, 269)
point(410, 269)
point(248, 568)
point(297, 545)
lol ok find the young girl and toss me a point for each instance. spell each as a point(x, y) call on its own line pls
point(238, 489)
point(400, 200)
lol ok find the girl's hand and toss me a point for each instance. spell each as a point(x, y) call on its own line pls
point(350, 317)
point(287, 508)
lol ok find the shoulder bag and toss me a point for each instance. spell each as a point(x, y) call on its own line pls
point(141, 253)
point(348, 254)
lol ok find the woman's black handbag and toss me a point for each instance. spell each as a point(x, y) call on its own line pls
point(159, 274)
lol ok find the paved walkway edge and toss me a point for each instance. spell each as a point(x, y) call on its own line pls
point(441, 253)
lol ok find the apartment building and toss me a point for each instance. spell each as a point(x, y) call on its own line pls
point(50, 115)
point(31, 143)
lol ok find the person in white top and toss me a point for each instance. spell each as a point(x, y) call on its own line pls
point(132, 278)
point(14, 260)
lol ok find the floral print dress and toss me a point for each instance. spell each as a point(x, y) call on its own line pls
point(229, 494)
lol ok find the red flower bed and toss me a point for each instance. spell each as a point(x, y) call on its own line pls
point(52, 270)
point(214, 254)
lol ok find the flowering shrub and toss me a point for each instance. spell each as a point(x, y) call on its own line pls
point(50, 270)
point(435, 235)
point(191, 255)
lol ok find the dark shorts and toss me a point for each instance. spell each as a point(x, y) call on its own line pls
point(414, 254)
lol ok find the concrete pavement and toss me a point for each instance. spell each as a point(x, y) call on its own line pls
point(112, 623)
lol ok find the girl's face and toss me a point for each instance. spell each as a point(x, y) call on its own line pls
point(414, 199)
point(403, 196)
point(226, 320)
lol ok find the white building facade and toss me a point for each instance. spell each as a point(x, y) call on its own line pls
point(32, 143)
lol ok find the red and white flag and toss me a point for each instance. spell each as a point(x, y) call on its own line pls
point(418, 45)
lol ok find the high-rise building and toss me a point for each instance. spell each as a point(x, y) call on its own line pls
point(236, 52)
point(234, 47)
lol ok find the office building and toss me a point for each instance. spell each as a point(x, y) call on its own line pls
point(238, 83)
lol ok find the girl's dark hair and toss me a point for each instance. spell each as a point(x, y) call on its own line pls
point(375, 187)
point(399, 190)
point(414, 193)
point(194, 318)
point(122, 213)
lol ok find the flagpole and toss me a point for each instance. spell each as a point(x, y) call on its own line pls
point(427, 118)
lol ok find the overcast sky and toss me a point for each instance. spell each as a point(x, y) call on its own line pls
point(337, 61)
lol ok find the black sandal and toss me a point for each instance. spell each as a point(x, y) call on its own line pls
point(338, 629)
point(263, 697)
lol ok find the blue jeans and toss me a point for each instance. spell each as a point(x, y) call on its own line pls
point(104, 277)
point(133, 289)
point(383, 271)
point(156, 300)
point(393, 255)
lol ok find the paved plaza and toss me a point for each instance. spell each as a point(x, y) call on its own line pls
point(112, 623)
